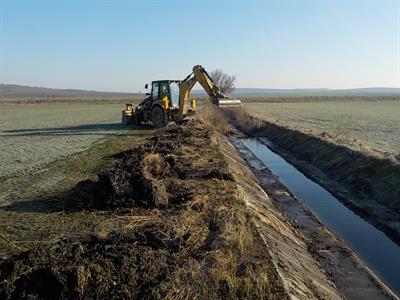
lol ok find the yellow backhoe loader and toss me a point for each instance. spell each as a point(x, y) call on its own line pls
point(169, 100)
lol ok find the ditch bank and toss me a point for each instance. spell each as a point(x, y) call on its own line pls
point(313, 209)
point(368, 184)
point(199, 225)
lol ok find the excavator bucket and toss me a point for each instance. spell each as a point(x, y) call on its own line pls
point(216, 96)
point(228, 102)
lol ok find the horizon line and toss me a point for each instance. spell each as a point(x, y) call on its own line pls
point(255, 88)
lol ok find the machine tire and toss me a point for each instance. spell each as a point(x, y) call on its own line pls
point(124, 120)
point(158, 117)
point(138, 117)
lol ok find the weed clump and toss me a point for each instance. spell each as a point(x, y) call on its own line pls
point(214, 117)
point(397, 153)
point(242, 120)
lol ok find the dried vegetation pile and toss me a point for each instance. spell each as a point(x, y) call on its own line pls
point(191, 236)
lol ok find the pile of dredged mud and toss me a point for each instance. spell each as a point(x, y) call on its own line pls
point(151, 175)
point(197, 241)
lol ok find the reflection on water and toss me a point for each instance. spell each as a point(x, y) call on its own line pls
point(373, 246)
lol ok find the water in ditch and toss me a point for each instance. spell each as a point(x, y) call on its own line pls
point(379, 252)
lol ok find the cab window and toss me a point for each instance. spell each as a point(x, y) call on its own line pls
point(154, 90)
point(164, 89)
point(174, 88)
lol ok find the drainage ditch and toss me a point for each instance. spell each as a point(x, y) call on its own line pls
point(376, 250)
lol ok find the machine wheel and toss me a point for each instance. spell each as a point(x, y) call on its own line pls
point(138, 117)
point(158, 117)
point(124, 120)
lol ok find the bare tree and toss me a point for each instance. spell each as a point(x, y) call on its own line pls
point(225, 82)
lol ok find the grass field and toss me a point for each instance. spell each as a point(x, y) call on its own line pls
point(366, 124)
point(33, 135)
point(46, 149)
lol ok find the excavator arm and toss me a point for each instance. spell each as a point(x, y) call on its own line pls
point(206, 82)
point(201, 76)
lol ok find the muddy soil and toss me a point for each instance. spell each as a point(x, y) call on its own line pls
point(121, 266)
point(156, 174)
point(198, 240)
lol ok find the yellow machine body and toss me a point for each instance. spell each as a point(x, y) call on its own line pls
point(169, 100)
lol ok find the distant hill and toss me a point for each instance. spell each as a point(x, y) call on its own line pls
point(13, 91)
point(384, 91)
point(373, 91)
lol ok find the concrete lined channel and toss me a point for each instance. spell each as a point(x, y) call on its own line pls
point(377, 251)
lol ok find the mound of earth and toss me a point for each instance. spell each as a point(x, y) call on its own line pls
point(198, 240)
point(118, 267)
point(152, 175)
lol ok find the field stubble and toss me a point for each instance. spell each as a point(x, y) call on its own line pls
point(33, 135)
point(370, 125)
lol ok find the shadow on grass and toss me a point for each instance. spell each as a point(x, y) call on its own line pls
point(40, 205)
point(114, 129)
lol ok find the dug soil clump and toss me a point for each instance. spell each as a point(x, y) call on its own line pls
point(121, 266)
point(152, 175)
point(198, 240)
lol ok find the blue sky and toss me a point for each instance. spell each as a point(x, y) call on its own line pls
point(120, 45)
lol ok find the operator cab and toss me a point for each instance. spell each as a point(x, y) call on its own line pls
point(166, 88)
